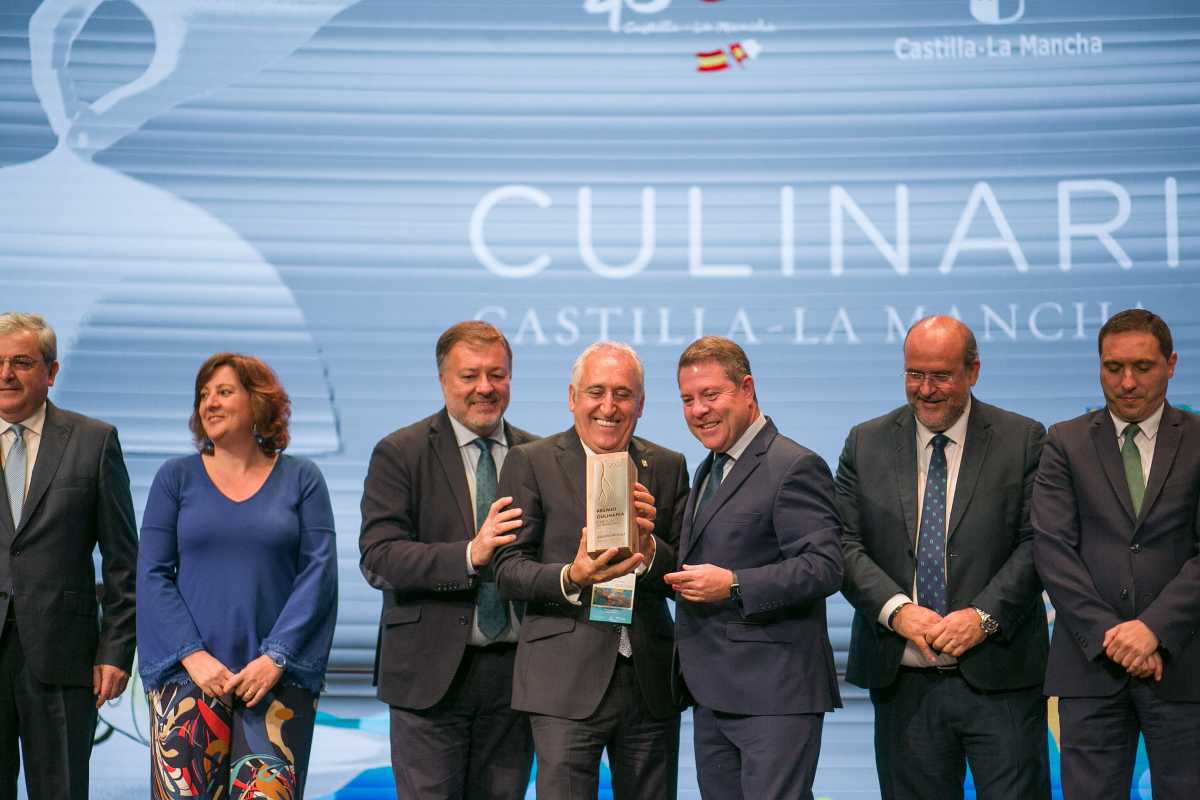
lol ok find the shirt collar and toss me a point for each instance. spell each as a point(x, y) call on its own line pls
point(32, 423)
point(747, 437)
point(465, 435)
point(956, 433)
point(1148, 426)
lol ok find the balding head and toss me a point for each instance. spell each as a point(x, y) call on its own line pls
point(943, 326)
point(941, 364)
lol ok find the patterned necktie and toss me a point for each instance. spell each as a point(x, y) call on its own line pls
point(931, 547)
point(1131, 458)
point(14, 474)
point(491, 613)
point(715, 475)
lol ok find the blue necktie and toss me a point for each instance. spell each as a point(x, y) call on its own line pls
point(14, 474)
point(491, 613)
point(931, 546)
point(715, 475)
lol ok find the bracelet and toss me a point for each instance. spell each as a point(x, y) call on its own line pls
point(896, 611)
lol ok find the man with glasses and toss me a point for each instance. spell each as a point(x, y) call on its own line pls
point(66, 490)
point(949, 630)
point(1116, 542)
point(431, 522)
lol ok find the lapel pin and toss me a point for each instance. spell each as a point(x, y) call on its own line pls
point(644, 464)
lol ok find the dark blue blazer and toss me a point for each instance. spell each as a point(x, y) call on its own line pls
point(773, 522)
point(1103, 565)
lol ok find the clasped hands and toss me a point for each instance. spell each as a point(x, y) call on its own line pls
point(953, 634)
point(1135, 647)
point(585, 570)
point(250, 685)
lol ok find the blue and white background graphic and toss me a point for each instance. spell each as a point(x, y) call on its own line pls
point(328, 184)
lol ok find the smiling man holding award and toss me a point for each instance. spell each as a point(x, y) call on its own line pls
point(602, 511)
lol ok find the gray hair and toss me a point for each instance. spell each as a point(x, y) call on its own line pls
point(17, 322)
point(620, 347)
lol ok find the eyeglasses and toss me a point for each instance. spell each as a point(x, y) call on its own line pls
point(937, 378)
point(19, 363)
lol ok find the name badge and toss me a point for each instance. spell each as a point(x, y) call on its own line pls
point(612, 601)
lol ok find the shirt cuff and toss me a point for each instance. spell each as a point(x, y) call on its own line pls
point(571, 597)
point(891, 605)
point(644, 567)
point(471, 571)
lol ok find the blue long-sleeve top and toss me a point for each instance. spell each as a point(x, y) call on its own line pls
point(237, 579)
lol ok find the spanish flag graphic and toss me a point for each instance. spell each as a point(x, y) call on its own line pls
point(712, 61)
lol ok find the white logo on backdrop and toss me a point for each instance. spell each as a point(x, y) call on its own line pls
point(614, 8)
point(988, 12)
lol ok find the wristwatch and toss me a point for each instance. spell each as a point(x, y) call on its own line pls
point(735, 589)
point(278, 659)
point(987, 623)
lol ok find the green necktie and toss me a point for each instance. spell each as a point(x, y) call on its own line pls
point(491, 613)
point(1131, 457)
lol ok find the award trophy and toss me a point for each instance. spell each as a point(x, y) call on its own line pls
point(611, 518)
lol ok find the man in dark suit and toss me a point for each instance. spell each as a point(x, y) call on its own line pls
point(758, 556)
point(591, 684)
point(67, 490)
point(1116, 544)
point(949, 630)
point(431, 522)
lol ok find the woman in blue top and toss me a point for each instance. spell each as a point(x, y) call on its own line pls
point(236, 596)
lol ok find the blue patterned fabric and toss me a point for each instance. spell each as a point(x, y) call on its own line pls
point(931, 544)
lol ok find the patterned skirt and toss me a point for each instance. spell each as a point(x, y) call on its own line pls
point(207, 747)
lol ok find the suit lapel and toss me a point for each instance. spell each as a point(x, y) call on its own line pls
point(572, 461)
point(689, 511)
point(1166, 445)
point(742, 469)
point(644, 463)
point(446, 451)
point(979, 435)
point(55, 434)
point(904, 467)
point(1104, 440)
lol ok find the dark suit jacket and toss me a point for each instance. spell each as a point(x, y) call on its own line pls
point(416, 520)
point(564, 660)
point(1103, 566)
point(989, 543)
point(773, 522)
point(78, 497)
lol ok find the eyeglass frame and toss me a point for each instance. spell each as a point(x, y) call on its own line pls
point(25, 364)
point(918, 377)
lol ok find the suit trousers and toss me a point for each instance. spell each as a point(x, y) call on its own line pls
point(55, 725)
point(470, 745)
point(761, 757)
point(643, 752)
point(1100, 740)
point(930, 724)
